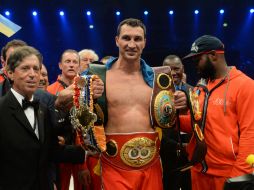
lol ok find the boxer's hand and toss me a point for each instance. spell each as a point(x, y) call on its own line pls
point(98, 87)
point(65, 98)
point(180, 100)
point(61, 140)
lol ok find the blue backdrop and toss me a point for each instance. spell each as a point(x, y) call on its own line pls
point(166, 34)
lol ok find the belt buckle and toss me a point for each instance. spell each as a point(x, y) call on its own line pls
point(138, 151)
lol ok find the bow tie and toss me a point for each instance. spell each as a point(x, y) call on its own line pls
point(26, 103)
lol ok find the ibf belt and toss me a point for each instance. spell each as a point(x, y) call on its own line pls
point(162, 106)
point(132, 151)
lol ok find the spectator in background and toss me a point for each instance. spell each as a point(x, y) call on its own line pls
point(177, 72)
point(172, 154)
point(69, 64)
point(44, 81)
point(87, 56)
point(5, 54)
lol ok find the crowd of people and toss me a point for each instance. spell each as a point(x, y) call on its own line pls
point(153, 119)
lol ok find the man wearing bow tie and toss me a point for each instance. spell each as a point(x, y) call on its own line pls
point(27, 142)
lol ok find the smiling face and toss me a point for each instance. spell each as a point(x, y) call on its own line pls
point(26, 76)
point(176, 67)
point(131, 42)
point(44, 82)
point(69, 65)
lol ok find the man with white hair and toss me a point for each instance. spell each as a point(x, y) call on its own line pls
point(87, 56)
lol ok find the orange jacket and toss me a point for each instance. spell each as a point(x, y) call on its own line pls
point(1, 78)
point(55, 87)
point(229, 129)
point(3, 74)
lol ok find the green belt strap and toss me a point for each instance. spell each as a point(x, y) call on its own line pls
point(100, 70)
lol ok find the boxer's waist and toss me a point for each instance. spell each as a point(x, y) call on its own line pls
point(131, 151)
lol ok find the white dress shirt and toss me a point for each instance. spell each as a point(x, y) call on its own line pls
point(29, 112)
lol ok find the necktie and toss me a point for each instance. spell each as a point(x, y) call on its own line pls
point(26, 103)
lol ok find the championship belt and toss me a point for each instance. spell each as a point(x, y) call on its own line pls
point(198, 148)
point(162, 107)
point(138, 152)
point(83, 117)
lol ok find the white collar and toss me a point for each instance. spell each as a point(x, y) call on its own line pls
point(19, 97)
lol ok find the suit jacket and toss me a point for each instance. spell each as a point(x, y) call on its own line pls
point(47, 99)
point(24, 158)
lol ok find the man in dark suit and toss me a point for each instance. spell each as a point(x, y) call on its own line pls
point(172, 155)
point(27, 141)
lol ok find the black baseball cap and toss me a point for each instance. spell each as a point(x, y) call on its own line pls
point(205, 44)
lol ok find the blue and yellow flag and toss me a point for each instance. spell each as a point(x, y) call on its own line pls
point(7, 27)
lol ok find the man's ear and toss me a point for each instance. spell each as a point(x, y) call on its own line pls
point(60, 65)
point(213, 56)
point(10, 74)
point(116, 40)
point(3, 62)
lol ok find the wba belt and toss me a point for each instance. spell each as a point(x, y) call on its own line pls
point(131, 151)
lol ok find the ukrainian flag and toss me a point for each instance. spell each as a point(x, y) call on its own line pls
point(7, 27)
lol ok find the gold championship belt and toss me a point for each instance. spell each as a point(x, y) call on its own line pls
point(197, 147)
point(138, 151)
point(83, 117)
point(162, 105)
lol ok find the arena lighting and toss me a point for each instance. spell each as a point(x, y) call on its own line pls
point(88, 13)
point(145, 12)
point(91, 26)
point(34, 13)
point(118, 13)
point(61, 13)
point(222, 11)
point(251, 10)
point(7, 13)
point(171, 12)
point(225, 24)
point(196, 12)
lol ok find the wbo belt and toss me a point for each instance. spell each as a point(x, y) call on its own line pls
point(131, 151)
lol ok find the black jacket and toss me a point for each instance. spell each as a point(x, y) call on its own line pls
point(24, 158)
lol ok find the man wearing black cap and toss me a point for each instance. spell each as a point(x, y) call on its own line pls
point(229, 124)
